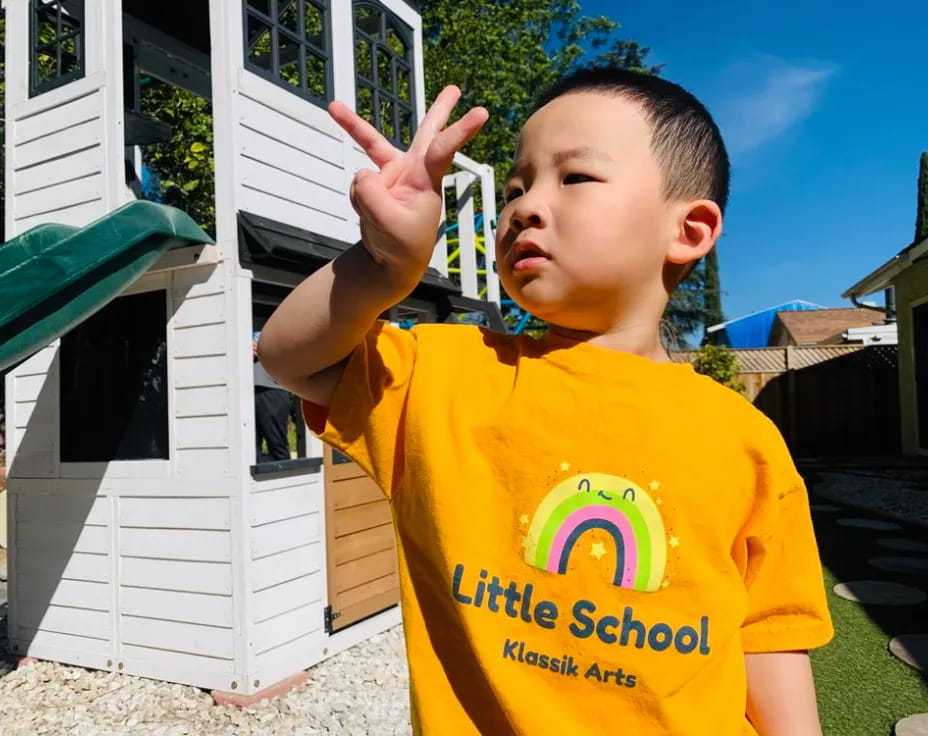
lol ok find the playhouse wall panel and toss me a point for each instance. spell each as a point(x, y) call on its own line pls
point(44, 568)
point(78, 165)
point(77, 215)
point(283, 629)
point(192, 669)
point(79, 110)
point(202, 432)
point(300, 562)
point(62, 142)
point(177, 544)
point(170, 605)
point(32, 419)
point(292, 213)
point(279, 599)
point(40, 616)
point(175, 513)
point(285, 503)
point(291, 160)
point(202, 464)
point(269, 539)
point(261, 176)
point(208, 641)
point(65, 593)
point(214, 578)
point(199, 310)
point(263, 126)
point(201, 401)
point(61, 196)
point(197, 372)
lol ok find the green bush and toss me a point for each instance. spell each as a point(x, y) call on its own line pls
point(719, 363)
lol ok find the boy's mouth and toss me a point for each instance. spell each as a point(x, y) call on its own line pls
point(526, 254)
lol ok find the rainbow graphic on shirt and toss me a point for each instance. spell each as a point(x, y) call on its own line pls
point(615, 505)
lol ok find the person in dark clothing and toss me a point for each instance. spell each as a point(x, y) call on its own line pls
point(272, 413)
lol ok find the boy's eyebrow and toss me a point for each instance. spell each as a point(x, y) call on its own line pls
point(581, 152)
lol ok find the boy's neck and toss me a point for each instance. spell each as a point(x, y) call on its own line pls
point(642, 339)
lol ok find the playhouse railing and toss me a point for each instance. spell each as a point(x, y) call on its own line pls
point(465, 248)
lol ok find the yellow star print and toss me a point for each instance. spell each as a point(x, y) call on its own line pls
point(659, 501)
point(665, 582)
point(526, 542)
point(673, 542)
point(565, 466)
point(523, 520)
point(654, 485)
point(597, 550)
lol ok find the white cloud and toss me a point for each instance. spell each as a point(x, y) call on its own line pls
point(766, 96)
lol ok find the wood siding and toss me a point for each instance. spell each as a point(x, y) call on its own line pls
point(363, 578)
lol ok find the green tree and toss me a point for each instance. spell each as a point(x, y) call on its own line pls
point(921, 218)
point(502, 53)
point(185, 164)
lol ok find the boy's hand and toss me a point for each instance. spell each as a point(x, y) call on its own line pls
point(400, 205)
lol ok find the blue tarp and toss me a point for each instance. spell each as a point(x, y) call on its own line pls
point(753, 330)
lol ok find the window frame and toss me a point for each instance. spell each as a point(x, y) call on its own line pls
point(272, 21)
point(407, 35)
point(139, 467)
point(268, 291)
point(36, 86)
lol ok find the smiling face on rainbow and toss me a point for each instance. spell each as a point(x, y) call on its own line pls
point(615, 505)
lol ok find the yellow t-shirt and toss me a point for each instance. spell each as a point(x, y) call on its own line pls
point(589, 541)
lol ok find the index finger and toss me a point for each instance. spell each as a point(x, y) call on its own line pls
point(378, 148)
point(435, 119)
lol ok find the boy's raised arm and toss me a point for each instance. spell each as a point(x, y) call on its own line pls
point(306, 341)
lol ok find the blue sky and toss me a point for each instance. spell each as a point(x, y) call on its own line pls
point(824, 109)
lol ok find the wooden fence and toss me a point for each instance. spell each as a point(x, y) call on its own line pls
point(827, 400)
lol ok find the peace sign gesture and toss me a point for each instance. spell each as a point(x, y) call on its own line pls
point(400, 204)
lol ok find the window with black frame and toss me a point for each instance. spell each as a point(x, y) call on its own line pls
point(383, 57)
point(280, 432)
point(114, 397)
point(56, 43)
point(289, 42)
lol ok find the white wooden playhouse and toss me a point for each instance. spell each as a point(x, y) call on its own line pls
point(144, 537)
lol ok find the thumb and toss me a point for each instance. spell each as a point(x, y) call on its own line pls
point(371, 198)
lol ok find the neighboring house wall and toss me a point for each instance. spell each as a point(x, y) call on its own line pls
point(779, 335)
point(911, 290)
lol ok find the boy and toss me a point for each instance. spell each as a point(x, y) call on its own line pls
point(592, 539)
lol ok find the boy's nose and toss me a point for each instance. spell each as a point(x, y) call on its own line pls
point(527, 215)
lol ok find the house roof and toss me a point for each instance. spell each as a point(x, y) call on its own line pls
point(753, 330)
point(883, 276)
point(810, 327)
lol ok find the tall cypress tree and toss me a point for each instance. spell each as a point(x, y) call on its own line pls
point(712, 305)
point(921, 217)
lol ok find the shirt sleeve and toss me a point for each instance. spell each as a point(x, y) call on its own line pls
point(787, 608)
point(366, 417)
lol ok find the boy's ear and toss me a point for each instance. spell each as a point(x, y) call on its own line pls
point(699, 225)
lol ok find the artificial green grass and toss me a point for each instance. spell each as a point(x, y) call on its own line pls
point(863, 690)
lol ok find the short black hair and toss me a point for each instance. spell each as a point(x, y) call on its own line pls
point(684, 138)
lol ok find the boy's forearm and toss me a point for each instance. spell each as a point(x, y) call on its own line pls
point(321, 322)
point(781, 694)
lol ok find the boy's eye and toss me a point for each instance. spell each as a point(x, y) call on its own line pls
point(512, 194)
point(577, 178)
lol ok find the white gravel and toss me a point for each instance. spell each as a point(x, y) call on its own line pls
point(898, 499)
point(364, 690)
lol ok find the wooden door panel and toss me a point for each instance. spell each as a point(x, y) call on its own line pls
point(361, 545)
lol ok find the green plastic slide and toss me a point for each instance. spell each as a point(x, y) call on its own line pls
point(53, 277)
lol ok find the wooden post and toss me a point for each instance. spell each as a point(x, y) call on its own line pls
point(464, 185)
point(791, 438)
